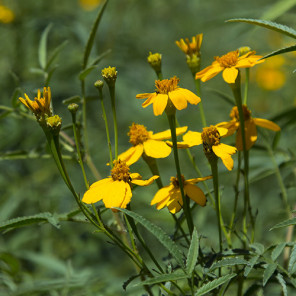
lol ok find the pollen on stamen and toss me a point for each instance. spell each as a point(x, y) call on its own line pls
point(210, 136)
point(228, 60)
point(120, 171)
point(138, 134)
point(167, 85)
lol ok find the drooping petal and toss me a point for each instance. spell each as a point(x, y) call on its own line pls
point(97, 191)
point(162, 194)
point(196, 194)
point(212, 72)
point(224, 152)
point(144, 96)
point(145, 182)
point(230, 74)
point(192, 138)
point(175, 202)
point(267, 124)
point(151, 99)
point(250, 134)
point(160, 103)
point(178, 99)
point(191, 97)
point(167, 134)
point(132, 155)
point(127, 197)
point(197, 180)
point(156, 149)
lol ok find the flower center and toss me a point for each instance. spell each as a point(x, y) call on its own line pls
point(175, 181)
point(166, 85)
point(120, 171)
point(228, 60)
point(210, 137)
point(138, 134)
point(235, 115)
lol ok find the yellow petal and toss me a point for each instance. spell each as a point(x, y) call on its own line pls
point(143, 96)
point(118, 194)
point(224, 152)
point(192, 138)
point(145, 182)
point(196, 180)
point(190, 96)
point(156, 149)
point(178, 99)
point(222, 131)
point(230, 74)
point(97, 190)
point(209, 72)
point(162, 194)
point(175, 202)
point(267, 124)
point(132, 155)
point(127, 197)
point(135, 176)
point(196, 194)
point(167, 134)
point(250, 134)
point(151, 99)
point(231, 127)
point(159, 104)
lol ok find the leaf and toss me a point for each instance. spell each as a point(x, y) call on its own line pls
point(55, 53)
point(214, 284)
point(100, 57)
point(285, 223)
point(163, 238)
point(277, 251)
point(282, 282)
point(28, 220)
point(280, 51)
point(228, 262)
point(252, 262)
point(267, 24)
point(292, 260)
point(259, 248)
point(92, 35)
point(163, 278)
point(268, 272)
point(42, 51)
point(278, 9)
point(83, 74)
point(192, 252)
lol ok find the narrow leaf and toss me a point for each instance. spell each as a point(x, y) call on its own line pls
point(269, 25)
point(282, 282)
point(192, 252)
point(55, 53)
point(278, 9)
point(42, 52)
point(228, 262)
point(280, 51)
point(100, 57)
point(214, 284)
point(83, 74)
point(292, 259)
point(277, 251)
point(163, 238)
point(259, 248)
point(285, 223)
point(252, 262)
point(268, 272)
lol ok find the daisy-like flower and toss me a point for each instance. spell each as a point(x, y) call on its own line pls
point(144, 141)
point(115, 191)
point(168, 93)
point(170, 196)
point(41, 105)
point(191, 48)
point(229, 64)
point(250, 127)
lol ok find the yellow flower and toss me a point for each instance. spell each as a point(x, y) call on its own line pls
point(250, 127)
point(191, 48)
point(6, 15)
point(89, 4)
point(171, 197)
point(229, 64)
point(167, 93)
point(144, 141)
point(115, 191)
point(41, 105)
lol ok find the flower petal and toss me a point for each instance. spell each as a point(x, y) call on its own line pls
point(97, 191)
point(156, 149)
point(231, 127)
point(197, 180)
point(167, 134)
point(222, 131)
point(267, 124)
point(192, 138)
point(230, 74)
point(224, 152)
point(191, 97)
point(178, 99)
point(175, 202)
point(145, 182)
point(250, 133)
point(117, 195)
point(159, 104)
point(196, 194)
point(209, 72)
point(151, 99)
point(132, 155)
point(127, 197)
point(162, 194)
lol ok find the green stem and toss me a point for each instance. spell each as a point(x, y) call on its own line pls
point(246, 86)
point(152, 164)
point(201, 109)
point(112, 95)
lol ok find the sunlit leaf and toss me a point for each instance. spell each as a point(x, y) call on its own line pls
point(42, 51)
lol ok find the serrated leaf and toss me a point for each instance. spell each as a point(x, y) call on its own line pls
point(292, 259)
point(259, 248)
point(28, 220)
point(74, 99)
point(282, 282)
point(267, 24)
point(285, 223)
point(92, 35)
point(83, 74)
point(163, 278)
point(228, 262)
point(163, 238)
point(192, 252)
point(277, 251)
point(252, 262)
point(42, 51)
point(214, 284)
point(55, 53)
point(268, 272)
point(280, 51)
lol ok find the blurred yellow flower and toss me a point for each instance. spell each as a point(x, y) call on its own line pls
point(41, 105)
point(229, 64)
point(168, 92)
point(170, 196)
point(89, 4)
point(191, 48)
point(250, 127)
point(144, 141)
point(6, 15)
point(115, 191)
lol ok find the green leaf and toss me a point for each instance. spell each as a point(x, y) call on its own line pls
point(292, 260)
point(192, 252)
point(285, 223)
point(163, 278)
point(163, 238)
point(42, 52)
point(100, 57)
point(252, 262)
point(214, 284)
point(277, 251)
point(280, 51)
point(277, 9)
point(269, 25)
point(259, 248)
point(55, 53)
point(228, 262)
point(92, 35)
point(282, 282)
point(268, 272)
point(28, 220)
point(83, 74)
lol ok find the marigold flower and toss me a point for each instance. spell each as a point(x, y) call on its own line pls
point(41, 105)
point(170, 196)
point(191, 48)
point(229, 64)
point(250, 127)
point(115, 191)
point(168, 92)
point(144, 141)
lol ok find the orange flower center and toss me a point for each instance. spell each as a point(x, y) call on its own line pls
point(210, 137)
point(138, 134)
point(175, 181)
point(166, 85)
point(235, 115)
point(228, 60)
point(120, 171)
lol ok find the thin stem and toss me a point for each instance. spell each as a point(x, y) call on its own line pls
point(152, 164)
point(201, 109)
point(112, 95)
point(246, 90)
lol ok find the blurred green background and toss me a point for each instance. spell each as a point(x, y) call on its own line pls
point(72, 260)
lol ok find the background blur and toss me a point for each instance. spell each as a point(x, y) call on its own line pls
point(43, 260)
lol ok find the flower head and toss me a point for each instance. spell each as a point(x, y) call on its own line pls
point(110, 75)
point(41, 105)
point(168, 93)
point(191, 48)
point(115, 191)
point(154, 60)
point(229, 64)
point(6, 15)
point(170, 196)
point(144, 141)
point(250, 127)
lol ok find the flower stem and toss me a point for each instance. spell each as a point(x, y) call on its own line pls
point(152, 164)
point(246, 86)
point(112, 95)
point(201, 109)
